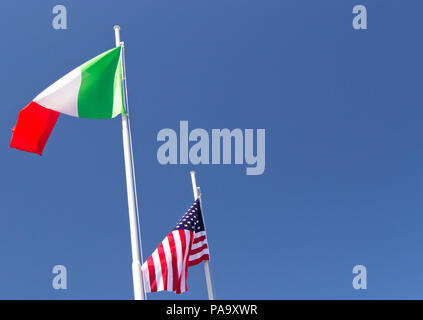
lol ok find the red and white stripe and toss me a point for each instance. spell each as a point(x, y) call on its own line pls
point(167, 268)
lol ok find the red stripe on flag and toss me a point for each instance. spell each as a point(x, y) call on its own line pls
point(163, 264)
point(199, 249)
point(197, 261)
point(33, 128)
point(152, 273)
point(199, 239)
point(174, 261)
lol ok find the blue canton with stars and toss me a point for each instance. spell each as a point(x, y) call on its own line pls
point(192, 220)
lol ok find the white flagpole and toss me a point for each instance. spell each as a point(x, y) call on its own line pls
point(133, 225)
point(206, 262)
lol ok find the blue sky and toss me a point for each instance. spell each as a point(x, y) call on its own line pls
point(342, 111)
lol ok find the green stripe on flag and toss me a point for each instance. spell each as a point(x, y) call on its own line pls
point(100, 95)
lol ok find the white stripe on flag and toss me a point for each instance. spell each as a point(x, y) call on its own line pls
point(146, 277)
point(199, 254)
point(185, 259)
point(198, 244)
point(158, 269)
point(62, 96)
point(168, 256)
point(199, 234)
point(178, 250)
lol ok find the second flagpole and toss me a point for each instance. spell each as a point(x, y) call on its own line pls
point(206, 262)
point(133, 221)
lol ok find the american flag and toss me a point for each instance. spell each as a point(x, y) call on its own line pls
point(185, 246)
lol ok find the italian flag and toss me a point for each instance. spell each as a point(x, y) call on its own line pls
point(93, 90)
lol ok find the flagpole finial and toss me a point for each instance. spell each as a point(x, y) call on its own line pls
point(194, 185)
point(117, 35)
